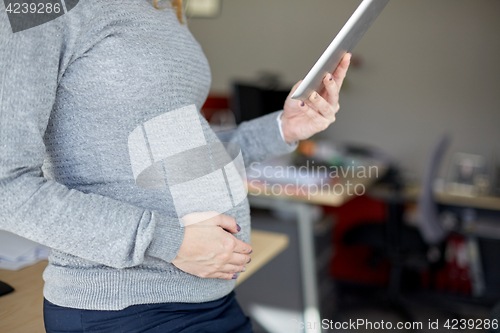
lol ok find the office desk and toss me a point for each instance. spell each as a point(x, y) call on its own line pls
point(482, 228)
point(21, 311)
point(480, 202)
point(262, 196)
point(484, 225)
point(265, 246)
point(333, 198)
point(411, 193)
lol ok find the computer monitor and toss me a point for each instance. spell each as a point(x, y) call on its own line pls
point(252, 101)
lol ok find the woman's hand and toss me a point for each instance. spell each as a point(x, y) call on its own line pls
point(208, 250)
point(301, 120)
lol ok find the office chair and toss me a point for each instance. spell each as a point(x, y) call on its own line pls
point(393, 242)
point(402, 246)
point(428, 217)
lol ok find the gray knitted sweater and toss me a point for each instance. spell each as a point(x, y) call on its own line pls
point(71, 92)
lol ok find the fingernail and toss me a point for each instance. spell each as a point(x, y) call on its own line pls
point(250, 251)
point(249, 260)
point(234, 277)
point(238, 227)
point(302, 104)
point(316, 95)
point(331, 77)
point(244, 269)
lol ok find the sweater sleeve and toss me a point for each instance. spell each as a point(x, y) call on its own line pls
point(90, 226)
point(259, 139)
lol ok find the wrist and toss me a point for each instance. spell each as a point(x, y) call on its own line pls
point(288, 136)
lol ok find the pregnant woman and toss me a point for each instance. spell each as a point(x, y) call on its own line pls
point(72, 90)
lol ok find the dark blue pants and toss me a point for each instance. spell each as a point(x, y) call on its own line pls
point(219, 316)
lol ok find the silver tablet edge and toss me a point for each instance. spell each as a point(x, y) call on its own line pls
point(304, 90)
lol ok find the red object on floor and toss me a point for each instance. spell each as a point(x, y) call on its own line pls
point(455, 277)
point(213, 104)
point(350, 262)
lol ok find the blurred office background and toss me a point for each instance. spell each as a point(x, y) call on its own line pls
point(424, 69)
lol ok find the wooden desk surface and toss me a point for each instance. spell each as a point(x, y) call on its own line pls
point(330, 197)
point(411, 194)
point(481, 202)
point(21, 311)
point(266, 245)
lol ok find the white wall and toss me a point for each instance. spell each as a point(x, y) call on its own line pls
point(429, 66)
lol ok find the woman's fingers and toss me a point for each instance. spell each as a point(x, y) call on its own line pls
point(333, 82)
point(223, 276)
point(341, 71)
point(323, 107)
point(319, 122)
point(209, 250)
point(331, 90)
point(228, 271)
point(238, 259)
point(231, 268)
point(319, 111)
point(241, 247)
point(228, 223)
point(226, 276)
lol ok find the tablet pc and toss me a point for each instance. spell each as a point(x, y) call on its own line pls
point(344, 42)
